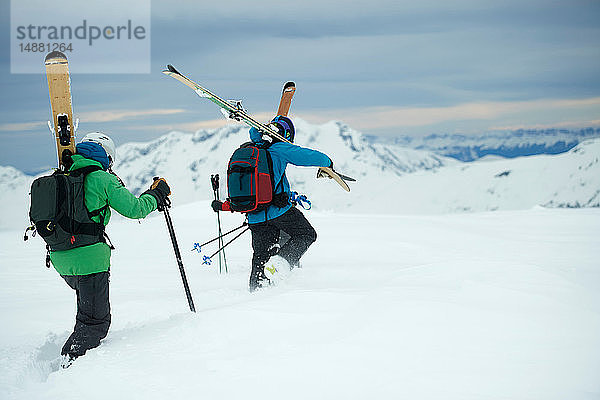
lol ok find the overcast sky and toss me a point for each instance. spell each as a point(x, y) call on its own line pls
point(383, 67)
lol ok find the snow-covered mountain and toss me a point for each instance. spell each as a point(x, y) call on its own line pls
point(14, 197)
point(188, 160)
point(509, 144)
point(390, 178)
point(568, 180)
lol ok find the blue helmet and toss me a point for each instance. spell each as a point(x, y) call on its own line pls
point(93, 151)
point(99, 147)
point(285, 127)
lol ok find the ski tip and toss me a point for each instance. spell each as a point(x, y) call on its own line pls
point(172, 69)
point(289, 85)
point(54, 55)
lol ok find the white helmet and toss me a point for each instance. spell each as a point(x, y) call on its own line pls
point(106, 142)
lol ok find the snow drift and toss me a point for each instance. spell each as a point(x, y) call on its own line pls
point(471, 306)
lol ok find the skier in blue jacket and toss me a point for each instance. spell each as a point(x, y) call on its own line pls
point(266, 225)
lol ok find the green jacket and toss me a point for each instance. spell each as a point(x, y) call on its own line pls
point(101, 188)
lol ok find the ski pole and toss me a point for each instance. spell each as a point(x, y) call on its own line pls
point(164, 207)
point(221, 236)
point(215, 185)
point(227, 244)
point(214, 180)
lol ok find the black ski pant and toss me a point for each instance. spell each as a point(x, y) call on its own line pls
point(265, 236)
point(93, 312)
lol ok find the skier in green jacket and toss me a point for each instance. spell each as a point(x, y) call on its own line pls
point(86, 269)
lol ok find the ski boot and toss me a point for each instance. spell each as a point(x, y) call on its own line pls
point(258, 279)
point(66, 360)
point(277, 268)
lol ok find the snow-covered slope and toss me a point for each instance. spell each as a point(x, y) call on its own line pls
point(484, 306)
point(566, 180)
point(510, 144)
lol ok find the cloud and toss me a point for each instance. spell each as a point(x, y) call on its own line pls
point(565, 124)
point(497, 115)
point(494, 116)
point(21, 126)
point(94, 116)
point(369, 118)
point(193, 126)
point(119, 115)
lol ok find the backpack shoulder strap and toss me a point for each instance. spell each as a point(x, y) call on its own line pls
point(262, 145)
point(272, 174)
point(85, 170)
point(270, 164)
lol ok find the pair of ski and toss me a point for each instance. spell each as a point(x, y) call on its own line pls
point(235, 111)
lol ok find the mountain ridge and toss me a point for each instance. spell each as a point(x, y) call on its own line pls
point(508, 144)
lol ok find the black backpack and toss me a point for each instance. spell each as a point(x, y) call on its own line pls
point(58, 210)
point(250, 181)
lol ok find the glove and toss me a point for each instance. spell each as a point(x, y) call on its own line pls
point(217, 205)
point(322, 174)
point(160, 190)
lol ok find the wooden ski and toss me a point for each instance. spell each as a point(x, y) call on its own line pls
point(286, 99)
point(324, 172)
point(59, 87)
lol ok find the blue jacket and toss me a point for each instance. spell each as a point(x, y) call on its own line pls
point(283, 154)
